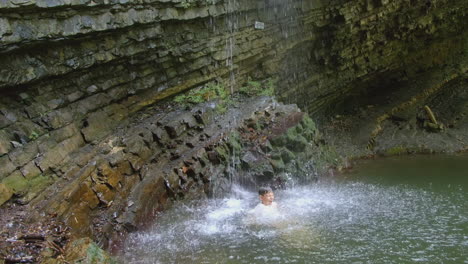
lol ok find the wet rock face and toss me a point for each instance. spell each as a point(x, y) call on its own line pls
point(72, 71)
point(75, 77)
point(364, 48)
point(121, 184)
point(164, 154)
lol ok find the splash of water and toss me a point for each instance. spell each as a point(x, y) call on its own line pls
point(327, 223)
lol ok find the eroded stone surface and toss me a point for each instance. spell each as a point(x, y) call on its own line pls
point(76, 75)
point(120, 184)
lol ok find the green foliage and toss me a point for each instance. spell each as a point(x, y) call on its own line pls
point(187, 3)
point(210, 91)
point(191, 3)
point(256, 88)
point(395, 151)
point(217, 91)
point(33, 136)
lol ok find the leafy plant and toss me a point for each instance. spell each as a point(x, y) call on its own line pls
point(255, 88)
point(206, 93)
point(33, 136)
point(187, 3)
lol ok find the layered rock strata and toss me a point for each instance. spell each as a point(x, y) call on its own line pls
point(166, 154)
point(72, 71)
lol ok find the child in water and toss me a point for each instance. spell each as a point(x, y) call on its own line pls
point(266, 212)
point(266, 197)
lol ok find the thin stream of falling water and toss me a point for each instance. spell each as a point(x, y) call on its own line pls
point(230, 41)
point(375, 221)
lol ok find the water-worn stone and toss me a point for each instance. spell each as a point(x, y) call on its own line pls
point(175, 128)
point(111, 176)
point(104, 194)
point(5, 193)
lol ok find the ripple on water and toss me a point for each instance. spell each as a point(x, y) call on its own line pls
point(328, 223)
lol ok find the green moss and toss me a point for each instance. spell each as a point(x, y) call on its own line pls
point(5, 193)
point(308, 123)
point(276, 155)
point(221, 107)
point(234, 143)
point(255, 88)
point(16, 182)
point(278, 141)
point(205, 93)
point(33, 136)
point(85, 251)
point(398, 150)
point(223, 152)
point(209, 92)
point(97, 255)
point(287, 155)
point(278, 165)
point(37, 185)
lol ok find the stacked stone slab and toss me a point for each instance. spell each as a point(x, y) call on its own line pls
point(122, 183)
point(72, 71)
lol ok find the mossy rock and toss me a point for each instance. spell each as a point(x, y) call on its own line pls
point(266, 146)
point(276, 155)
point(299, 129)
point(278, 141)
point(5, 193)
point(395, 151)
point(263, 170)
point(308, 124)
point(234, 143)
point(17, 182)
point(287, 155)
point(295, 142)
point(278, 165)
point(223, 152)
point(85, 251)
point(37, 185)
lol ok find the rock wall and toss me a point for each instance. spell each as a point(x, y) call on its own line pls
point(86, 137)
point(71, 71)
point(164, 154)
point(363, 48)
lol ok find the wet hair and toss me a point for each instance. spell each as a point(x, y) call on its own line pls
point(264, 190)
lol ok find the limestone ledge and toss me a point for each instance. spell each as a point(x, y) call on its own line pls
point(75, 21)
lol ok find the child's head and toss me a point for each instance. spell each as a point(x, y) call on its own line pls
point(266, 195)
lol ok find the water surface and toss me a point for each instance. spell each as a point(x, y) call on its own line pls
point(394, 210)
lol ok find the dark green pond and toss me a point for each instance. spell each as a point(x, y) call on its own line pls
point(393, 210)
